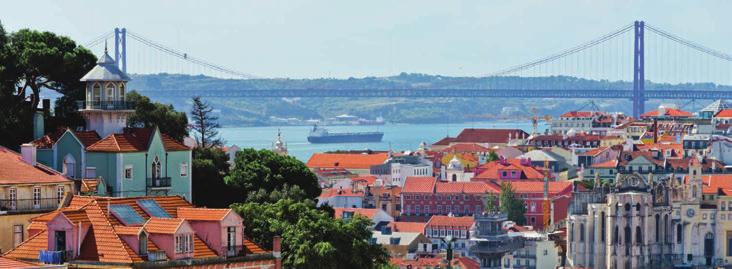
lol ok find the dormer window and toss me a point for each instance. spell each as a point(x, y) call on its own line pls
point(183, 243)
point(143, 244)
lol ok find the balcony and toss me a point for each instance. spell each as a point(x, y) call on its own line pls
point(105, 105)
point(232, 251)
point(28, 205)
point(158, 182)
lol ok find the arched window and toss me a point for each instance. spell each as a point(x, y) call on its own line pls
point(616, 235)
point(627, 206)
point(637, 207)
point(679, 234)
point(454, 177)
point(155, 168)
point(96, 92)
point(627, 237)
point(121, 91)
point(109, 91)
point(571, 232)
point(638, 235)
point(69, 166)
point(693, 191)
point(665, 229)
point(143, 243)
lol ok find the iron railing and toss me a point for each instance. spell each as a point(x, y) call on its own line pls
point(158, 182)
point(157, 255)
point(106, 105)
point(29, 205)
point(232, 251)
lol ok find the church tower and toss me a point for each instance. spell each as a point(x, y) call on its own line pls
point(105, 109)
point(279, 146)
point(694, 185)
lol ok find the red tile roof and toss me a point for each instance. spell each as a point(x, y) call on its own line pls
point(465, 187)
point(47, 141)
point(670, 112)
point(366, 212)
point(346, 160)
point(715, 184)
point(14, 170)
point(724, 113)
point(203, 214)
point(12, 263)
point(538, 187)
point(419, 184)
point(87, 137)
point(445, 141)
point(496, 136)
point(606, 164)
point(466, 148)
point(163, 225)
point(332, 192)
point(594, 152)
point(439, 220)
point(407, 227)
point(370, 180)
point(491, 170)
point(134, 140)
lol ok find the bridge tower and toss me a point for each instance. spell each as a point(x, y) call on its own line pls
point(639, 98)
point(120, 48)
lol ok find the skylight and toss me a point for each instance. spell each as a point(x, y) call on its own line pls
point(152, 208)
point(126, 214)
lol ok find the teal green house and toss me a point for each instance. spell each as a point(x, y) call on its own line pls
point(109, 158)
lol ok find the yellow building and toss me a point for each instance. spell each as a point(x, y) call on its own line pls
point(27, 189)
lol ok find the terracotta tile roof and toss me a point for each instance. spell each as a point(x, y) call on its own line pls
point(496, 136)
point(606, 164)
point(466, 263)
point(670, 112)
point(419, 184)
point(491, 170)
point(439, 220)
point(200, 249)
point(134, 140)
point(89, 185)
point(87, 137)
point(204, 214)
point(445, 141)
point(47, 141)
point(127, 230)
point(30, 248)
point(346, 160)
point(108, 244)
point(333, 192)
point(370, 180)
point(366, 212)
point(555, 187)
point(579, 114)
point(408, 227)
point(163, 225)
point(13, 170)
point(12, 263)
point(466, 148)
point(594, 152)
point(253, 248)
point(724, 113)
point(417, 263)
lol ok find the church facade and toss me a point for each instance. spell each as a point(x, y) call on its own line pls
point(639, 222)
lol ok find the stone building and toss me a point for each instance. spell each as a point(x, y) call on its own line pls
point(641, 223)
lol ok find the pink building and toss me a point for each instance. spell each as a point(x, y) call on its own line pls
point(423, 197)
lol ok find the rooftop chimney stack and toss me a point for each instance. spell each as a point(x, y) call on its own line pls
point(28, 151)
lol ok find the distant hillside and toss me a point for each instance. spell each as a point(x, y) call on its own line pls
point(248, 112)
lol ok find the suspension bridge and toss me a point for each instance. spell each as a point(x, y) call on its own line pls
point(664, 66)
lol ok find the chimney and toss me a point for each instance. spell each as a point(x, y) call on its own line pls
point(28, 151)
point(277, 251)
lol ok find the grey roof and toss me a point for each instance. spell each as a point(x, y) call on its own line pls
point(716, 106)
point(105, 70)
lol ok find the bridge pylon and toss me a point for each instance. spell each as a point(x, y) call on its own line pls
point(639, 98)
point(120, 48)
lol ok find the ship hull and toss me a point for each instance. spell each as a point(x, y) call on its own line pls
point(346, 138)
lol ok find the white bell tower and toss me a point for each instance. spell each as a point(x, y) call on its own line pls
point(105, 109)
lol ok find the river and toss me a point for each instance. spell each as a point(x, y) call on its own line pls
point(399, 136)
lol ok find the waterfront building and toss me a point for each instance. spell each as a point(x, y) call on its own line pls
point(27, 189)
point(129, 161)
point(103, 232)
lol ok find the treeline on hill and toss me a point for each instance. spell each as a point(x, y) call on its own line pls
point(256, 111)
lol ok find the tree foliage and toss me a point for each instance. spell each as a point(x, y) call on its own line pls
point(492, 156)
point(205, 124)
point(512, 205)
point(264, 170)
point(31, 62)
point(210, 165)
point(150, 114)
point(311, 237)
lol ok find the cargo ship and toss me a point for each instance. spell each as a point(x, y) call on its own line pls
point(320, 135)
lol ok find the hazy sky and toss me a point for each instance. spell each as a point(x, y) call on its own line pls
point(375, 37)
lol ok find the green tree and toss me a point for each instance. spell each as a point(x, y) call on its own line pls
point(512, 205)
point(491, 203)
point(205, 124)
point(311, 237)
point(32, 61)
point(256, 170)
point(210, 165)
point(149, 114)
point(493, 156)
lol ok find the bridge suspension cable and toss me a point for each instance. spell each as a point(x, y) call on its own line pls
point(98, 39)
point(690, 44)
point(184, 56)
point(564, 53)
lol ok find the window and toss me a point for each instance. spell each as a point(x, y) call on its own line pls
point(128, 172)
point(110, 91)
point(36, 197)
point(679, 234)
point(426, 210)
point(121, 91)
point(658, 228)
point(13, 197)
point(143, 243)
point(69, 166)
point(96, 93)
point(17, 235)
point(638, 235)
point(582, 232)
point(602, 228)
point(155, 168)
point(60, 191)
point(729, 243)
point(183, 169)
point(183, 243)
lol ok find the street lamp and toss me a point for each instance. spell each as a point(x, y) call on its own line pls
point(449, 241)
